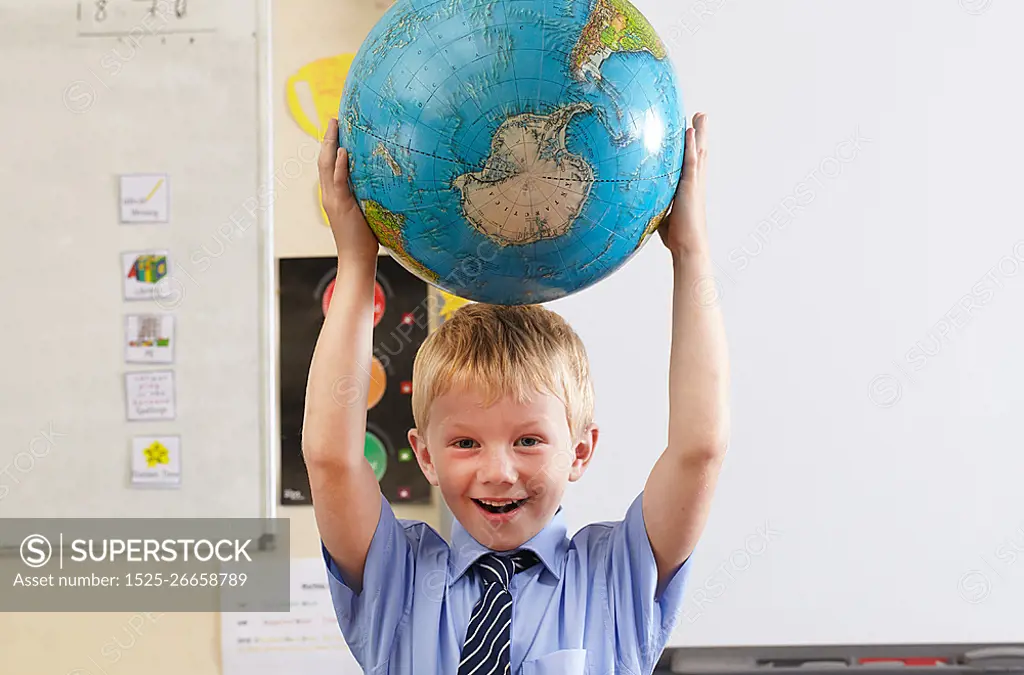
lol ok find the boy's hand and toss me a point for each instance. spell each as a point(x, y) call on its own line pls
point(685, 229)
point(352, 236)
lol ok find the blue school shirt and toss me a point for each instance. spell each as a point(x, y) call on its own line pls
point(589, 606)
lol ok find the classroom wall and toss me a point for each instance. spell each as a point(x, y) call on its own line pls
point(175, 643)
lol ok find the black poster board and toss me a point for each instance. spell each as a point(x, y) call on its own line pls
point(401, 311)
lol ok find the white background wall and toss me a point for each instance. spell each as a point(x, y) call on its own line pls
point(863, 216)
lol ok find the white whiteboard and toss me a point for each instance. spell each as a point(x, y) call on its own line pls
point(174, 95)
point(897, 519)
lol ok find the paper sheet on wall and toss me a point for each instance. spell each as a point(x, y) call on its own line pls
point(150, 395)
point(306, 639)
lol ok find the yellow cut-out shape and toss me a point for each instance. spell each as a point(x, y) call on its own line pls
point(156, 453)
point(451, 304)
point(320, 201)
point(314, 96)
point(321, 83)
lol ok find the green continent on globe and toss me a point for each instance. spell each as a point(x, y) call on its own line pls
point(613, 26)
point(531, 187)
point(388, 228)
point(652, 226)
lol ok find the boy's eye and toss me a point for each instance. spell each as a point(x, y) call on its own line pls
point(529, 441)
point(465, 443)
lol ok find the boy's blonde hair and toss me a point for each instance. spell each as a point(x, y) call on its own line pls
point(505, 350)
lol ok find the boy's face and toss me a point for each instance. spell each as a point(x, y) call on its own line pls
point(502, 470)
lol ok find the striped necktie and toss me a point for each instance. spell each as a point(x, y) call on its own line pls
point(485, 651)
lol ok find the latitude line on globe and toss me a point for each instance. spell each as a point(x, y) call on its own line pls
point(434, 93)
point(597, 223)
point(620, 155)
point(579, 215)
point(487, 118)
point(472, 98)
point(368, 132)
point(593, 226)
point(594, 180)
point(419, 115)
point(551, 50)
point(630, 110)
point(617, 157)
point(515, 147)
point(415, 121)
point(612, 232)
point(547, 178)
point(589, 196)
point(387, 78)
point(506, 26)
point(611, 180)
point(439, 49)
point(594, 258)
point(483, 115)
point(427, 7)
point(496, 84)
point(565, 268)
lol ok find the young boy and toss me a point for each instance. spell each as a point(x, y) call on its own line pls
point(503, 401)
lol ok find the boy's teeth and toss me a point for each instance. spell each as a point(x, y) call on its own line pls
point(500, 507)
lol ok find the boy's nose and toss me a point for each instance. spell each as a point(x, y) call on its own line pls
point(497, 467)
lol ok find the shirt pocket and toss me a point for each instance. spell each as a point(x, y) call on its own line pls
point(563, 662)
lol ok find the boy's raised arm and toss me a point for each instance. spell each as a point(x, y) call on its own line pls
point(346, 495)
point(677, 498)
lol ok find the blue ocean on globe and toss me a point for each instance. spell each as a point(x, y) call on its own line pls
point(513, 151)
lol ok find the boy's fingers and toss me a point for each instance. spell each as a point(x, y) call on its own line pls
point(700, 124)
point(689, 156)
point(341, 168)
point(329, 147)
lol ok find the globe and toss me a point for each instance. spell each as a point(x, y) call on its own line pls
point(513, 151)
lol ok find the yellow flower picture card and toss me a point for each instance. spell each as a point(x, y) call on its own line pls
point(156, 461)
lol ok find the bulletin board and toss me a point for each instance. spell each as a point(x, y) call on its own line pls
point(133, 358)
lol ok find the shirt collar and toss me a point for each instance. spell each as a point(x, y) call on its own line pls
point(550, 545)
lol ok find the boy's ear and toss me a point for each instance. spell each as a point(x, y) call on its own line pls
point(584, 452)
point(418, 443)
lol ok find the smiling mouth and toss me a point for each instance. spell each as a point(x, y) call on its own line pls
point(499, 506)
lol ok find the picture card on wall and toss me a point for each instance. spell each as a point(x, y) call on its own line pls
point(156, 461)
point(145, 198)
point(141, 273)
point(150, 395)
point(149, 338)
